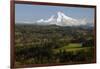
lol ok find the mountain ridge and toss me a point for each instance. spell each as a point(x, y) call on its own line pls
point(62, 20)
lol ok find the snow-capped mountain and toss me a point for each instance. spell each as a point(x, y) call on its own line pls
point(62, 20)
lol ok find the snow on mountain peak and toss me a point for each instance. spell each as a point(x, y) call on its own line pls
point(59, 17)
point(50, 19)
point(63, 20)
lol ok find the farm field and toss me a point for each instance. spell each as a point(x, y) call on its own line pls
point(74, 47)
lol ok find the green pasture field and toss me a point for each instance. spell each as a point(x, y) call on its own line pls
point(72, 47)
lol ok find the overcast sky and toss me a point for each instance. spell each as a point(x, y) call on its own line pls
point(31, 13)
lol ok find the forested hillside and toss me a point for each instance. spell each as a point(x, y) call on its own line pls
point(47, 44)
